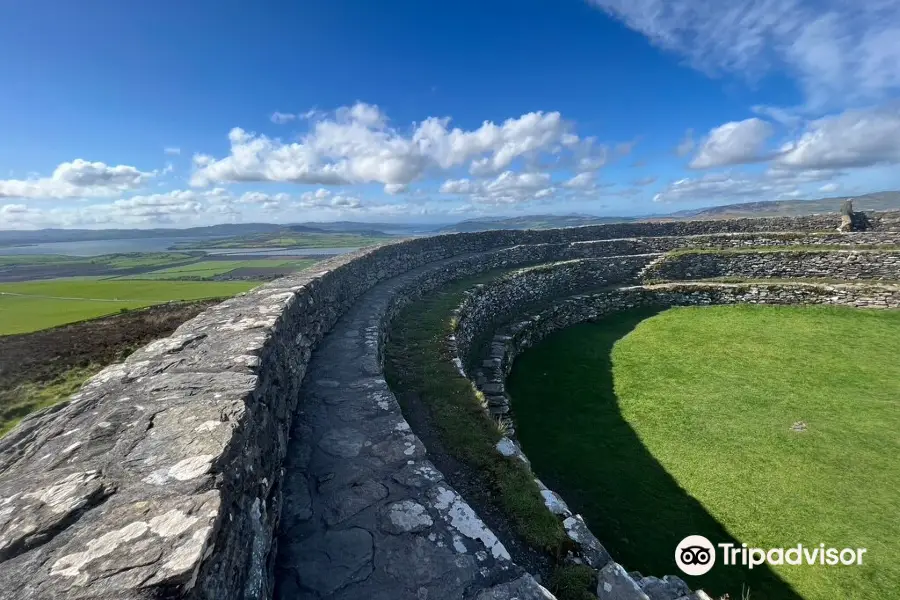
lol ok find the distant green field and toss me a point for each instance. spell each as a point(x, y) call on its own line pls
point(112, 261)
point(35, 305)
point(288, 240)
point(211, 268)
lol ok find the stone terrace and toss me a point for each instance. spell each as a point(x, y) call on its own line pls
point(258, 452)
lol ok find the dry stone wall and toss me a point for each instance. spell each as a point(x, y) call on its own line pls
point(849, 264)
point(163, 476)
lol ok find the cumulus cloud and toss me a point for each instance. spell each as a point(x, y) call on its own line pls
point(838, 50)
point(507, 188)
point(357, 145)
point(855, 138)
point(733, 143)
point(773, 184)
point(582, 181)
point(323, 198)
point(77, 179)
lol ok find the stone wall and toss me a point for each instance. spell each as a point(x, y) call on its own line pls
point(503, 298)
point(850, 265)
point(162, 476)
point(531, 329)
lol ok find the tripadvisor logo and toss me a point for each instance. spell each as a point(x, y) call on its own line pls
point(696, 555)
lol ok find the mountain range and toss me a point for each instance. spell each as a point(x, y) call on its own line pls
point(878, 201)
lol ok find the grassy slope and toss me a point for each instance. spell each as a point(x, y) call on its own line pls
point(26, 398)
point(113, 261)
point(418, 369)
point(211, 268)
point(680, 424)
point(417, 362)
point(42, 305)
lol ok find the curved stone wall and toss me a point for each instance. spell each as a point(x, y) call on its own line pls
point(847, 264)
point(162, 477)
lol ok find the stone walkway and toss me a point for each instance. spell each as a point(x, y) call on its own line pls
point(365, 515)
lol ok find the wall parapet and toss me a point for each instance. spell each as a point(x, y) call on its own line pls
point(837, 264)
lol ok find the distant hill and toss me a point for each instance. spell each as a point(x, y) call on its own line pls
point(15, 238)
point(366, 228)
point(531, 222)
point(876, 201)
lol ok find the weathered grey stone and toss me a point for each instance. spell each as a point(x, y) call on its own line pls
point(344, 442)
point(614, 583)
point(334, 560)
point(298, 502)
point(669, 587)
point(415, 561)
point(523, 588)
point(406, 516)
point(592, 550)
point(346, 502)
point(418, 475)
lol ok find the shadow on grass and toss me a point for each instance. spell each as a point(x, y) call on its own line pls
point(583, 448)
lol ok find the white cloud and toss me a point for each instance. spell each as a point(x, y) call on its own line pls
point(788, 117)
point(280, 118)
point(358, 146)
point(459, 186)
point(507, 188)
point(723, 188)
point(838, 50)
point(582, 181)
point(172, 151)
point(830, 187)
point(395, 188)
point(733, 143)
point(855, 138)
point(77, 179)
point(323, 198)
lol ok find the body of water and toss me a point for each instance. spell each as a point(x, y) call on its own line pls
point(99, 247)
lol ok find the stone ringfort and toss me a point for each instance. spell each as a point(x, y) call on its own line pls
point(258, 452)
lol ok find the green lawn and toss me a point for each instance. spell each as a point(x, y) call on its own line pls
point(211, 268)
point(657, 426)
point(35, 305)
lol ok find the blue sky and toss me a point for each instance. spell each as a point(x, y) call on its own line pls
point(191, 113)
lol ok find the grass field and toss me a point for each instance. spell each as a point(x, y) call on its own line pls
point(112, 261)
point(210, 268)
point(287, 240)
point(657, 426)
point(31, 306)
